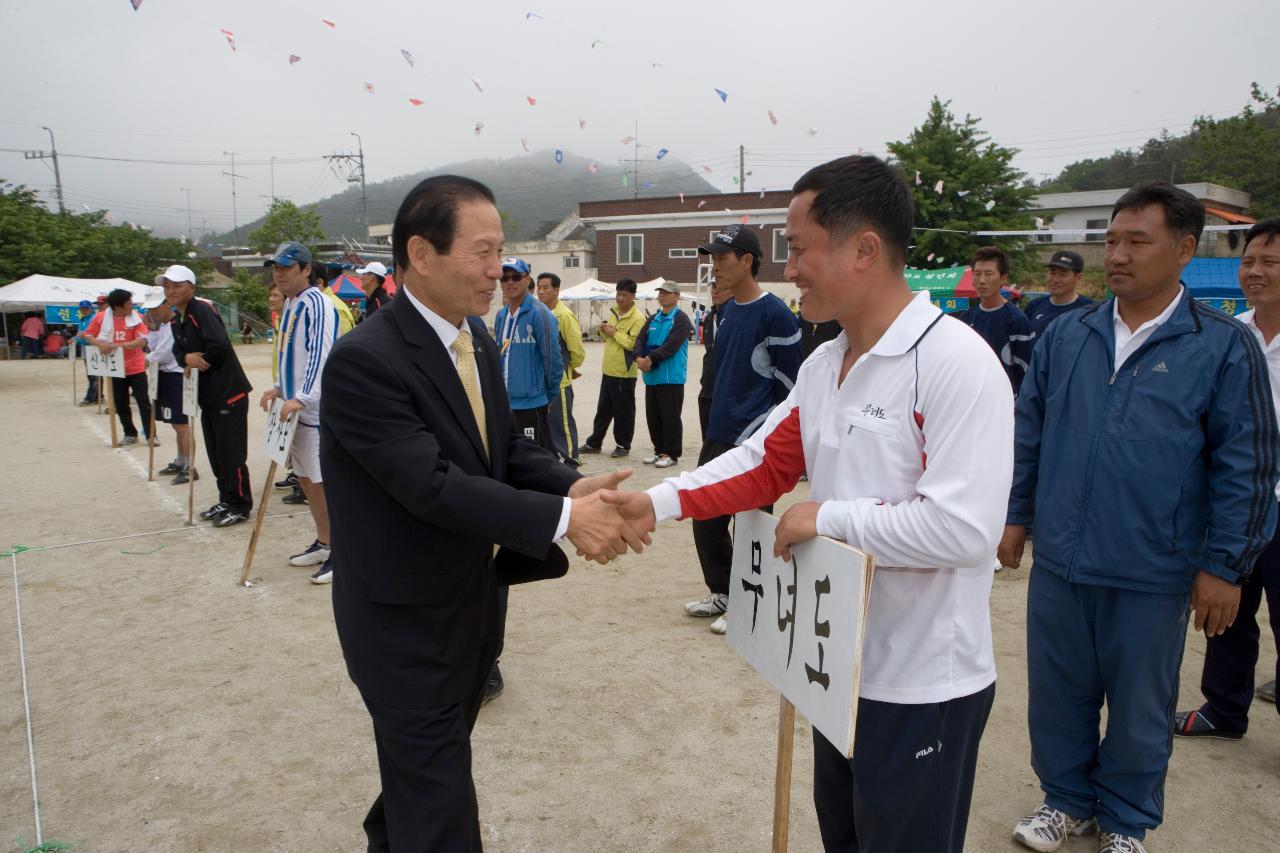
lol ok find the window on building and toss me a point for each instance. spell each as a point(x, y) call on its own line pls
point(1095, 223)
point(572, 262)
point(630, 249)
point(781, 251)
point(682, 253)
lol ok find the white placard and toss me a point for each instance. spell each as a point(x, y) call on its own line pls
point(279, 437)
point(800, 624)
point(153, 380)
point(99, 363)
point(190, 386)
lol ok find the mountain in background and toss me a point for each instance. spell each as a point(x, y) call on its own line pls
point(534, 192)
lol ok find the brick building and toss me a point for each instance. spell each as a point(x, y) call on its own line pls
point(645, 238)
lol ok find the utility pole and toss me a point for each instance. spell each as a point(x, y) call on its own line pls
point(364, 201)
point(356, 164)
point(273, 180)
point(235, 219)
point(52, 154)
point(636, 162)
point(188, 192)
point(742, 168)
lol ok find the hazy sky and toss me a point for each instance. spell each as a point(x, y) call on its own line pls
point(1061, 81)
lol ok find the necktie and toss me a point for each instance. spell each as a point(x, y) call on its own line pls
point(470, 383)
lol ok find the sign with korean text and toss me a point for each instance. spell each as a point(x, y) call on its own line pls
point(279, 437)
point(190, 389)
point(68, 315)
point(801, 624)
point(153, 380)
point(99, 363)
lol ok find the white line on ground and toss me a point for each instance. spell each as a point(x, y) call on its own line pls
point(26, 698)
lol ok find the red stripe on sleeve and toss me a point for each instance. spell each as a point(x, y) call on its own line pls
point(777, 474)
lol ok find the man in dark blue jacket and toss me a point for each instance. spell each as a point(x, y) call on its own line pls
point(1145, 455)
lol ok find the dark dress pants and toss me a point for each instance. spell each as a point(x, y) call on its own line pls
point(662, 405)
point(137, 385)
point(617, 404)
point(226, 441)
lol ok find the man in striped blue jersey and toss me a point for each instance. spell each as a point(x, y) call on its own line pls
point(307, 332)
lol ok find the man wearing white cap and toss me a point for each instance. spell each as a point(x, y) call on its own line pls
point(372, 275)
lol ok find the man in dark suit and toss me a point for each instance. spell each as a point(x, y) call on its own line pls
point(426, 474)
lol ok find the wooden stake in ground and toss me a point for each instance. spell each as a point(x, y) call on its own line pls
point(111, 408)
point(153, 391)
point(257, 525)
point(191, 478)
point(191, 408)
point(782, 774)
point(72, 349)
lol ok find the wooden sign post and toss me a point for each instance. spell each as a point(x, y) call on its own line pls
point(801, 625)
point(105, 366)
point(276, 443)
point(73, 356)
point(153, 391)
point(191, 408)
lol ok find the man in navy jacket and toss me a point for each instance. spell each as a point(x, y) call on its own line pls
point(1145, 455)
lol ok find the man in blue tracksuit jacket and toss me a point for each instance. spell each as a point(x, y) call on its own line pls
point(528, 336)
point(1145, 455)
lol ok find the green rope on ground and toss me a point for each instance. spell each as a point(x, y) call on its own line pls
point(47, 847)
point(16, 549)
point(144, 553)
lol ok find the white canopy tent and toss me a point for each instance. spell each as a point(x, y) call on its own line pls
point(597, 296)
point(34, 292)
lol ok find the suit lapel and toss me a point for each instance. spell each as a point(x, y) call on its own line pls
point(431, 357)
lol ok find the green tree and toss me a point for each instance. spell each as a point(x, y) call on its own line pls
point(249, 292)
point(981, 190)
point(286, 221)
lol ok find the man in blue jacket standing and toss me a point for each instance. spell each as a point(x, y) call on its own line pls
point(528, 338)
point(1145, 455)
point(662, 355)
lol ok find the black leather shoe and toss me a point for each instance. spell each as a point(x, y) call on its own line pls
point(493, 687)
point(295, 497)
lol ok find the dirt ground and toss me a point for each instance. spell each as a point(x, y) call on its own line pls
point(173, 710)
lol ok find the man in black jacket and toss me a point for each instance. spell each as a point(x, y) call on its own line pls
point(200, 343)
point(426, 472)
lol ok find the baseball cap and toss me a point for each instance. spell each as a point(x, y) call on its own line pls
point(102, 297)
point(733, 237)
point(289, 253)
point(373, 267)
point(670, 287)
point(85, 303)
point(516, 264)
point(176, 273)
point(1067, 261)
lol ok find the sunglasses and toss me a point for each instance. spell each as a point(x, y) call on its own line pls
point(515, 276)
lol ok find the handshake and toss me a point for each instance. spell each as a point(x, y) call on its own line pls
point(603, 522)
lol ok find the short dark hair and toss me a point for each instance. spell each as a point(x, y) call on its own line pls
point(861, 191)
point(991, 253)
point(1183, 213)
point(551, 277)
point(755, 261)
point(318, 275)
point(627, 284)
point(118, 297)
point(430, 211)
point(1268, 228)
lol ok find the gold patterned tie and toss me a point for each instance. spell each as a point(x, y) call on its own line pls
point(470, 383)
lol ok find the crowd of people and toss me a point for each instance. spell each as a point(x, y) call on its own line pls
point(1134, 440)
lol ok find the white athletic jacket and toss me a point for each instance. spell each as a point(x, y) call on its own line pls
point(912, 459)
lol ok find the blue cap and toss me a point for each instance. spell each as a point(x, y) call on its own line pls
point(289, 253)
point(516, 264)
point(85, 303)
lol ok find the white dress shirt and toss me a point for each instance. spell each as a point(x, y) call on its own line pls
point(1127, 343)
point(1272, 352)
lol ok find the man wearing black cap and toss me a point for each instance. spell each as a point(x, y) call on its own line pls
point(1065, 271)
point(757, 352)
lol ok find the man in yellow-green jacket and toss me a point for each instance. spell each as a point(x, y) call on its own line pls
point(564, 430)
point(618, 385)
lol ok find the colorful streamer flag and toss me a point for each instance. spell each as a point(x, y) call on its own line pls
point(656, 65)
point(593, 167)
point(662, 152)
point(648, 185)
point(707, 169)
point(762, 192)
point(582, 124)
point(941, 259)
point(724, 96)
point(476, 83)
point(701, 203)
point(962, 193)
point(330, 24)
point(408, 57)
point(231, 42)
point(598, 41)
point(227, 33)
point(524, 143)
point(813, 131)
point(938, 187)
point(917, 177)
point(294, 59)
point(627, 140)
point(368, 87)
point(930, 257)
point(773, 119)
point(136, 4)
point(416, 102)
point(528, 15)
point(533, 102)
point(624, 179)
point(735, 179)
point(479, 127)
point(559, 156)
point(990, 204)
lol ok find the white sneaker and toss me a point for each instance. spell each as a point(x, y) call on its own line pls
point(664, 461)
point(1111, 842)
point(721, 625)
point(649, 460)
point(314, 555)
point(713, 604)
point(1046, 828)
